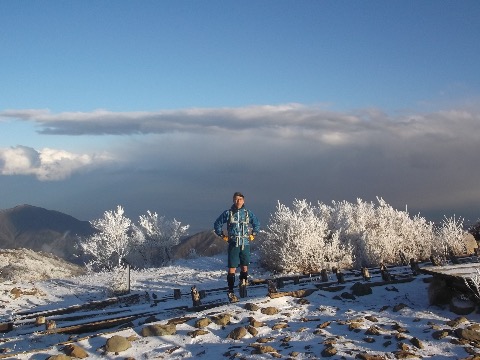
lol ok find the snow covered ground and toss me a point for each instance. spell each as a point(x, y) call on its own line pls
point(386, 323)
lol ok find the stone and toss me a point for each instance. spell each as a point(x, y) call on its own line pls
point(440, 334)
point(329, 351)
point(270, 310)
point(251, 307)
point(75, 351)
point(468, 334)
point(59, 357)
point(252, 330)
point(280, 325)
point(159, 330)
point(438, 292)
point(360, 289)
point(417, 343)
point(255, 323)
point(399, 307)
point(203, 322)
point(237, 333)
point(470, 244)
point(117, 344)
point(373, 330)
point(197, 332)
point(222, 319)
point(457, 321)
point(461, 306)
point(263, 349)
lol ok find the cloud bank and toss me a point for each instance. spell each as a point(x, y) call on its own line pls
point(46, 164)
point(427, 161)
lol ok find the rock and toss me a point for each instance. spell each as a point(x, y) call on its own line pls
point(399, 307)
point(59, 357)
point(265, 340)
point(347, 295)
point(40, 320)
point(323, 325)
point(197, 332)
point(180, 320)
point(470, 244)
point(468, 334)
point(373, 330)
point(329, 351)
point(203, 322)
point(440, 334)
point(251, 307)
point(280, 325)
point(117, 344)
point(405, 355)
point(360, 289)
point(399, 328)
point(457, 321)
point(75, 351)
point(270, 310)
point(438, 292)
point(222, 319)
point(252, 330)
point(50, 325)
point(354, 325)
point(237, 333)
point(263, 349)
point(461, 306)
point(417, 343)
point(159, 330)
point(365, 356)
point(255, 323)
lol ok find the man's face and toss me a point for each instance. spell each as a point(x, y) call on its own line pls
point(238, 201)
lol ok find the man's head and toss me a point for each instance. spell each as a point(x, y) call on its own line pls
point(238, 200)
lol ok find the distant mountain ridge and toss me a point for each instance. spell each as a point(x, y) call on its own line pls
point(39, 229)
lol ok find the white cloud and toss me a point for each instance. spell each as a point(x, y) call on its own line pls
point(46, 164)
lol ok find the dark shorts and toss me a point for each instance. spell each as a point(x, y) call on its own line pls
point(237, 256)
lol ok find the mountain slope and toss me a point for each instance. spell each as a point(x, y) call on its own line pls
point(39, 229)
point(204, 243)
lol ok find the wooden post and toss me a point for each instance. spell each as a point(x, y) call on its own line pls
point(195, 296)
point(340, 277)
point(365, 274)
point(177, 294)
point(385, 273)
point(324, 275)
point(280, 283)
point(414, 266)
point(272, 288)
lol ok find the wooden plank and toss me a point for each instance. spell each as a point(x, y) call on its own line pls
point(458, 270)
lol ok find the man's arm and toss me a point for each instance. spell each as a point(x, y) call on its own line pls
point(255, 223)
point(218, 224)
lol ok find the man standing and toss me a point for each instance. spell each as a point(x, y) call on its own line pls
point(238, 220)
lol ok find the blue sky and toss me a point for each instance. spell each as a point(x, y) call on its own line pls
point(171, 106)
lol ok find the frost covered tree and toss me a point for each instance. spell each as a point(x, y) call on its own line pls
point(308, 238)
point(111, 243)
point(451, 237)
point(298, 240)
point(155, 236)
point(380, 234)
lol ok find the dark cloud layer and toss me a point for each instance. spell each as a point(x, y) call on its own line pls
point(187, 163)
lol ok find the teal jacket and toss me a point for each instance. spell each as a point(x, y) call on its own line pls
point(238, 225)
